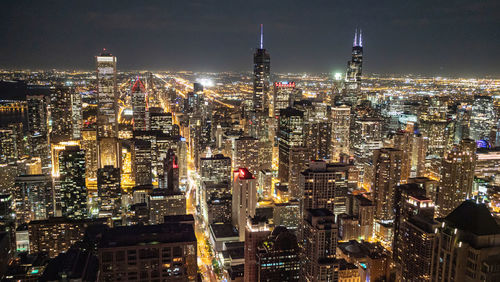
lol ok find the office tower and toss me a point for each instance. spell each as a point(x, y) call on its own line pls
point(403, 141)
point(33, 197)
point(246, 153)
point(467, 245)
point(167, 252)
point(89, 145)
point(257, 229)
point(287, 214)
point(162, 202)
point(244, 199)
point(142, 162)
point(290, 135)
point(72, 192)
point(216, 202)
point(57, 234)
point(457, 176)
point(216, 169)
point(6, 208)
point(38, 129)
point(437, 133)
point(109, 191)
point(60, 114)
point(76, 114)
point(363, 210)
point(261, 74)
point(8, 174)
point(278, 256)
point(419, 152)
point(409, 201)
point(171, 171)
point(483, 118)
point(341, 125)
point(373, 259)
point(140, 106)
point(161, 121)
point(387, 174)
point(283, 97)
point(325, 185)
point(366, 136)
point(317, 127)
point(8, 145)
point(354, 66)
point(107, 113)
point(265, 179)
point(319, 236)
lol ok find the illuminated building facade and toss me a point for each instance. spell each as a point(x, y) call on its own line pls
point(290, 135)
point(325, 185)
point(107, 114)
point(483, 119)
point(341, 125)
point(71, 192)
point(142, 162)
point(278, 256)
point(109, 191)
point(246, 153)
point(167, 252)
point(319, 236)
point(162, 202)
point(387, 174)
point(171, 172)
point(76, 114)
point(457, 176)
point(139, 106)
point(244, 199)
point(89, 145)
point(162, 121)
point(61, 119)
point(261, 74)
point(38, 129)
point(256, 230)
point(282, 97)
point(33, 197)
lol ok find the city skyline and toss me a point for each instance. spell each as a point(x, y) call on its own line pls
point(202, 36)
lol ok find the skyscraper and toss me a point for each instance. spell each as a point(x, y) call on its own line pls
point(107, 113)
point(457, 176)
point(109, 191)
point(319, 236)
point(355, 65)
point(283, 94)
point(38, 129)
point(261, 74)
point(60, 114)
point(33, 197)
point(244, 199)
point(139, 106)
point(341, 125)
point(387, 174)
point(72, 192)
point(325, 186)
point(256, 231)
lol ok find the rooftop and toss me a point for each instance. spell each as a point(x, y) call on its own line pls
point(474, 218)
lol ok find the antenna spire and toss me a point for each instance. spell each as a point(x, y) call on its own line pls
point(261, 36)
point(360, 38)
point(355, 38)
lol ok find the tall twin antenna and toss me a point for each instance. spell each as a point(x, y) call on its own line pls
point(356, 41)
point(261, 36)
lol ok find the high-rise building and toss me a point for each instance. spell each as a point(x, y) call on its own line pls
point(167, 252)
point(71, 192)
point(162, 202)
point(89, 145)
point(483, 118)
point(76, 114)
point(244, 199)
point(246, 153)
point(283, 97)
point(162, 121)
point(325, 185)
point(256, 230)
point(109, 191)
point(57, 234)
point(354, 69)
point(319, 236)
point(216, 202)
point(33, 197)
point(287, 214)
point(107, 113)
point(60, 114)
point(341, 125)
point(387, 174)
point(8, 145)
point(261, 74)
point(142, 162)
point(38, 129)
point(366, 136)
point(278, 256)
point(468, 245)
point(457, 176)
point(140, 106)
point(290, 135)
point(171, 172)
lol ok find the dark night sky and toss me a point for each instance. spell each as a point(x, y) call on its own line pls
point(400, 36)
